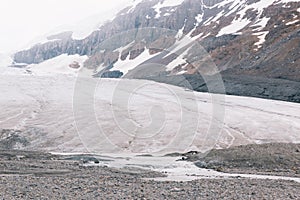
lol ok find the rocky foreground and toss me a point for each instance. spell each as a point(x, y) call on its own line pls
point(271, 159)
point(36, 175)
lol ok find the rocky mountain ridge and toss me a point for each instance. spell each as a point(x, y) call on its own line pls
point(247, 40)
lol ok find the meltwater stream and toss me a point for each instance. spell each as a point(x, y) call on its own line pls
point(174, 168)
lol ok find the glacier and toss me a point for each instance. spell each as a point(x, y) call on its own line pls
point(62, 113)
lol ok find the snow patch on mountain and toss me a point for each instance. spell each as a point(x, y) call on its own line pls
point(208, 21)
point(121, 49)
point(180, 32)
point(288, 1)
point(217, 17)
point(128, 64)
point(199, 18)
point(224, 3)
point(234, 27)
point(292, 22)
point(234, 7)
point(262, 38)
point(58, 65)
point(164, 4)
point(241, 21)
point(260, 6)
point(262, 23)
point(181, 45)
point(179, 61)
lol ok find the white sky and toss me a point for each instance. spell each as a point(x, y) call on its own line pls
point(22, 21)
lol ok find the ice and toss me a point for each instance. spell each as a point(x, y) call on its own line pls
point(64, 114)
point(5, 66)
point(5, 61)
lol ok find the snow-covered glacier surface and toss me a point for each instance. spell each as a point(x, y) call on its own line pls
point(61, 113)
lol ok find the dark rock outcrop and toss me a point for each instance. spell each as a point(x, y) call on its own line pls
point(110, 74)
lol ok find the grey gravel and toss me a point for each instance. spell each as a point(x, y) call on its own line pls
point(34, 175)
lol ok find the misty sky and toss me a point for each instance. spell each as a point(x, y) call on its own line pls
point(22, 21)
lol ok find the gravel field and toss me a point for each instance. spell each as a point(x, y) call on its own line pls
point(34, 175)
point(281, 159)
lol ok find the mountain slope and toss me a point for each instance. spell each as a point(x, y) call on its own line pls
point(251, 41)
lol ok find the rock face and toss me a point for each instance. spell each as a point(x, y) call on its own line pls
point(247, 38)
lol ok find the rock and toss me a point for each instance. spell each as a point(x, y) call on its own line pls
point(201, 164)
point(112, 74)
point(74, 65)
